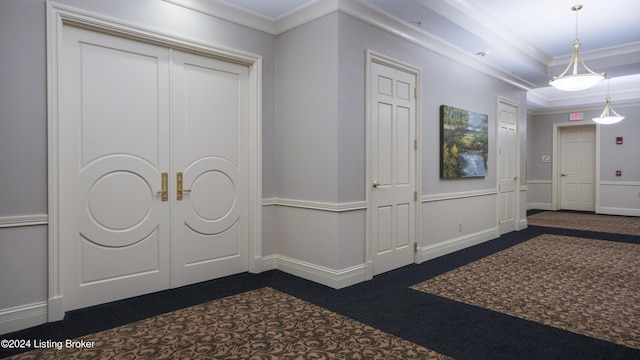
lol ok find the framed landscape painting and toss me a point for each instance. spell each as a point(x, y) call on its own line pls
point(464, 143)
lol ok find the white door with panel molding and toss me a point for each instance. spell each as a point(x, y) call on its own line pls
point(210, 228)
point(392, 160)
point(577, 167)
point(508, 178)
point(126, 132)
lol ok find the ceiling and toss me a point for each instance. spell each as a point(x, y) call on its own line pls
point(531, 40)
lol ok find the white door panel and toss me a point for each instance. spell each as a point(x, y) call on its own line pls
point(393, 167)
point(211, 146)
point(114, 126)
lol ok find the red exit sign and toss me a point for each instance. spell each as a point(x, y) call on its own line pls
point(576, 116)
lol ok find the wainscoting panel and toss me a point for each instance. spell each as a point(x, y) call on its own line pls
point(458, 216)
point(619, 198)
point(321, 242)
point(23, 283)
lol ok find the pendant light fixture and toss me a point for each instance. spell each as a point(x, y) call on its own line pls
point(575, 81)
point(606, 117)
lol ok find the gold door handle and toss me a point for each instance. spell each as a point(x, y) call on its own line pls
point(516, 177)
point(179, 183)
point(164, 193)
point(375, 184)
point(563, 174)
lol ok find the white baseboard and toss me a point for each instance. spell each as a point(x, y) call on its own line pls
point(447, 247)
point(539, 206)
point(56, 310)
point(336, 279)
point(617, 211)
point(522, 224)
point(269, 262)
point(22, 317)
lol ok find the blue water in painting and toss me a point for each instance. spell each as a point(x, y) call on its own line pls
point(475, 165)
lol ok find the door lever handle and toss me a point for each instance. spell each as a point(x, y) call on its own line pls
point(179, 183)
point(375, 184)
point(563, 174)
point(164, 192)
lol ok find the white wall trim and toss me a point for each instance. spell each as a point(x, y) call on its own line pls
point(393, 25)
point(229, 12)
point(23, 220)
point(539, 206)
point(336, 279)
point(539, 182)
point(360, 10)
point(458, 195)
point(605, 210)
point(620, 183)
point(523, 224)
point(316, 205)
point(449, 246)
point(22, 317)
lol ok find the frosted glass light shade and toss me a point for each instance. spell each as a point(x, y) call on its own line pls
point(576, 82)
point(606, 118)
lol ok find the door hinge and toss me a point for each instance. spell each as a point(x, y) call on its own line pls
point(415, 144)
point(415, 247)
point(415, 196)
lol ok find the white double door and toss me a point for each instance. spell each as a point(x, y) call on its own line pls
point(134, 118)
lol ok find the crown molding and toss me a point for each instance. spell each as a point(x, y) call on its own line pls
point(627, 53)
point(225, 11)
point(478, 21)
point(360, 10)
point(228, 12)
point(398, 27)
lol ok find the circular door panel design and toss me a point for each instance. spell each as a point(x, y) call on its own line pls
point(215, 195)
point(125, 191)
point(212, 204)
point(119, 194)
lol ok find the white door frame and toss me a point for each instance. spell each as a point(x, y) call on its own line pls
point(516, 200)
point(555, 170)
point(372, 56)
point(59, 16)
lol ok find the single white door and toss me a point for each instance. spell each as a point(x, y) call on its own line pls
point(577, 168)
point(508, 179)
point(114, 149)
point(392, 196)
point(210, 225)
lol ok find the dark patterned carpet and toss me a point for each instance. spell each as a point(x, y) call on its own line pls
point(590, 222)
point(259, 324)
point(590, 287)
